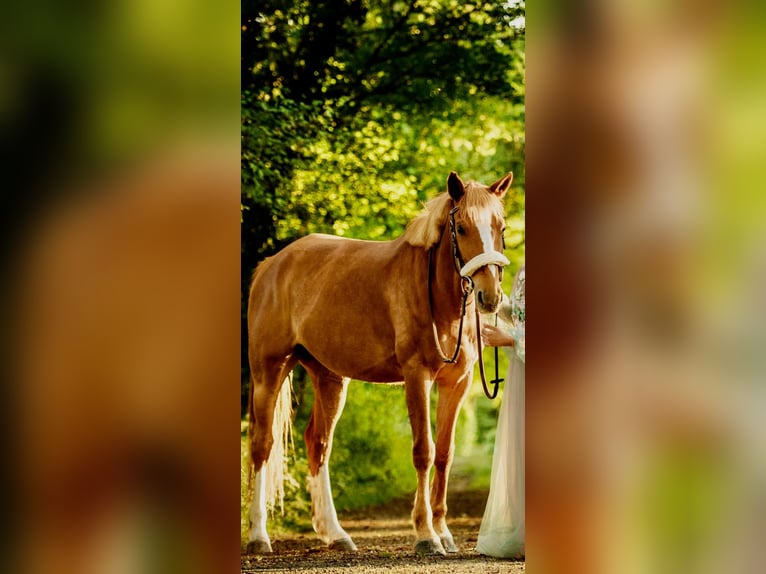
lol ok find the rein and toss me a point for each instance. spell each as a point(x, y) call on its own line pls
point(465, 270)
point(467, 283)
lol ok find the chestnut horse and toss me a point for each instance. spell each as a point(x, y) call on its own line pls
point(378, 311)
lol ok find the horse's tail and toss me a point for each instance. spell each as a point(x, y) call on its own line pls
point(282, 431)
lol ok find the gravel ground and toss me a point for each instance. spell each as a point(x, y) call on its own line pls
point(385, 539)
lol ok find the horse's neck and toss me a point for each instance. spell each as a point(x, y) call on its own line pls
point(446, 291)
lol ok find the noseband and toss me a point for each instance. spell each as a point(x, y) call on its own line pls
point(466, 271)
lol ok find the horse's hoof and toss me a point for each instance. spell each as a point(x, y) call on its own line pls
point(429, 547)
point(258, 546)
point(343, 545)
point(448, 543)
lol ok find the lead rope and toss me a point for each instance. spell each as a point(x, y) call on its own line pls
point(495, 382)
point(497, 379)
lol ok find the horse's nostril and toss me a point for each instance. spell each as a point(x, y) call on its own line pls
point(481, 298)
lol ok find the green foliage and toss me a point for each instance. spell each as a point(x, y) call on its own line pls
point(419, 54)
point(353, 113)
point(274, 132)
point(372, 461)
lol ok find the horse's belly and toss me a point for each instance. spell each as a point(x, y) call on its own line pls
point(377, 374)
point(383, 372)
point(356, 361)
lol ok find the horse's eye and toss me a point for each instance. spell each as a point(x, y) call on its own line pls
point(460, 230)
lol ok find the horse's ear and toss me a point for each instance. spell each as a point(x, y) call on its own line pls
point(502, 185)
point(455, 186)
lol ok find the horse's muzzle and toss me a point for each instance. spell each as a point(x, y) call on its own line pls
point(488, 303)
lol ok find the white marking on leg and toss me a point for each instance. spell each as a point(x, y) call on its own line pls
point(258, 509)
point(323, 515)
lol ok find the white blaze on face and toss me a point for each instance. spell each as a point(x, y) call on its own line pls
point(489, 257)
point(485, 232)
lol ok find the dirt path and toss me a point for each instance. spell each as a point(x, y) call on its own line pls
point(385, 539)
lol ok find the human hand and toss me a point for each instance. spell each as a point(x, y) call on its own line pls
point(492, 336)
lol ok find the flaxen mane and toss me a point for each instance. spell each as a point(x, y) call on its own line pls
point(425, 230)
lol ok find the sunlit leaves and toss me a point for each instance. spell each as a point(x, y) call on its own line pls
point(355, 112)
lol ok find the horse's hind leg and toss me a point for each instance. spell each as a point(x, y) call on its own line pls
point(267, 380)
point(329, 399)
point(451, 396)
point(258, 540)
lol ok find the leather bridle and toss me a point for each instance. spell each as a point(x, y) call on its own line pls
point(465, 270)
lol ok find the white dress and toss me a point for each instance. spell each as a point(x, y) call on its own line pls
point(502, 528)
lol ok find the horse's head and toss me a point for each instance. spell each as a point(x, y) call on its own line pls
point(479, 222)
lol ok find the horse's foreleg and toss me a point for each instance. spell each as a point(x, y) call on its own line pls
point(451, 396)
point(428, 542)
point(329, 399)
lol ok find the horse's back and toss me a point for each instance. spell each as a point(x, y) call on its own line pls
point(317, 258)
